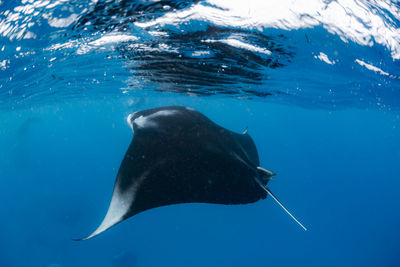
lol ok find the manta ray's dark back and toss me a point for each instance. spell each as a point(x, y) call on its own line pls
point(188, 158)
point(178, 155)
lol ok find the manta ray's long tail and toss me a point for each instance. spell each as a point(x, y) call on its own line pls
point(279, 203)
point(284, 208)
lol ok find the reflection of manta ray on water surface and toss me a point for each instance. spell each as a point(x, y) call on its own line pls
point(178, 155)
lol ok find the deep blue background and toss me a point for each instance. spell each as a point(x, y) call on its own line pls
point(338, 172)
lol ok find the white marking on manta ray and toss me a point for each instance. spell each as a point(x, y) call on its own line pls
point(119, 206)
point(163, 113)
point(143, 122)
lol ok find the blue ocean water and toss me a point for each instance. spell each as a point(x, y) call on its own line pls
point(317, 83)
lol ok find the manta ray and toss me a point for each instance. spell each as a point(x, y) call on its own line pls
point(178, 155)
